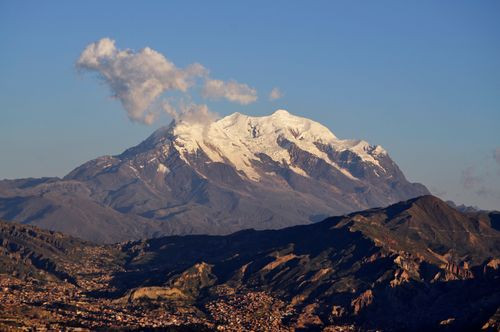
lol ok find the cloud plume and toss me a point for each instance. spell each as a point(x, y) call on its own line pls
point(181, 110)
point(138, 78)
point(230, 90)
point(275, 94)
point(469, 178)
point(478, 183)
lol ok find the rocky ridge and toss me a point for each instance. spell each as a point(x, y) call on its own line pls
point(416, 265)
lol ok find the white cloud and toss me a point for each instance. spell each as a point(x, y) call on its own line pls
point(230, 90)
point(137, 78)
point(275, 94)
point(189, 112)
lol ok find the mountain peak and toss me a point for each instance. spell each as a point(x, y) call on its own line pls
point(424, 202)
point(239, 138)
point(216, 177)
point(281, 112)
point(429, 200)
point(434, 204)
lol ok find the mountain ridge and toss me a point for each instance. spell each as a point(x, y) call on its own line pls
point(251, 172)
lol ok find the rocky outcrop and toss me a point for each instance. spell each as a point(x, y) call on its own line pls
point(362, 301)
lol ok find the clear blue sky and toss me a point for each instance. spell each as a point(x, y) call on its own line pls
point(421, 78)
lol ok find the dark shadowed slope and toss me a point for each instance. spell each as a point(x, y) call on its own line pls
point(413, 264)
point(28, 251)
point(416, 265)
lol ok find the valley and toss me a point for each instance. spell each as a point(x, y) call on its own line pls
point(414, 265)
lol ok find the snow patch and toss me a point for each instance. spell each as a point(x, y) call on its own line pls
point(238, 139)
point(162, 169)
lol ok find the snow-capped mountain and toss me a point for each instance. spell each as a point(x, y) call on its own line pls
point(235, 173)
point(239, 140)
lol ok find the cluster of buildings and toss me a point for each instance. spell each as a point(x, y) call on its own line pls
point(248, 311)
point(56, 306)
point(43, 302)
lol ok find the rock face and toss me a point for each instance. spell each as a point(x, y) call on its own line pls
point(418, 265)
point(26, 251)
point(190, 178)
point(411, 265)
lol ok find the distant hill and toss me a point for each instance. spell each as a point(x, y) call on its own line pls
point(28, 251)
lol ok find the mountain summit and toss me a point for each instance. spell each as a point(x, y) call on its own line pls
point(241, 140)
point(196, 177)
